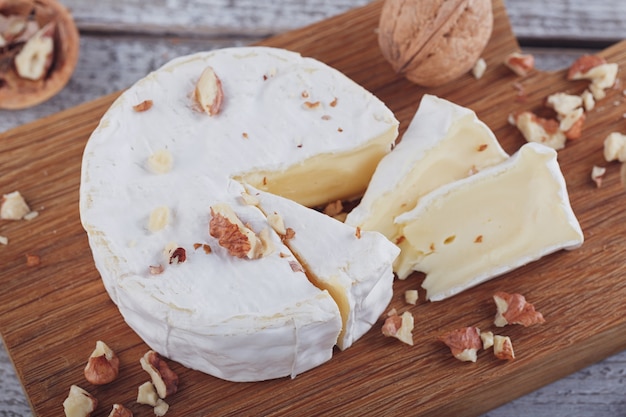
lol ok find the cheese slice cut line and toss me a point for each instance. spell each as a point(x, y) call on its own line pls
point(443, 143)
point(360, 280)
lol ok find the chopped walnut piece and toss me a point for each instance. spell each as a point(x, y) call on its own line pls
point(463, 343)
point(34, 59)
point(514, 309)
point(615, 147)
point(30, 215)
point(164, 379)
point(102, 366)
point(334, 208)
point(178, 256)
point(564, 103)
point(143, 106)
point(592, 67)
point(582, 65)
point(588, 101)
point(538, 129)
point(161, 408)
point(572, 124)
point(32, 260)
point(357, 232)
point(311, 105)
point(227, 228)
point(479, 68)
point(520, 64)
point(487, 339)
point(146, 394)
point(119, 410)
point(289, 234)
point(411, 296)
point(334, 102)
point(13, 206)
point(503, 348)
point(597, 175)
point(208, 93)
point(79, 403)
point(400, 327)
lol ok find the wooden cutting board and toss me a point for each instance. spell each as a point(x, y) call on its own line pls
point(52, 314)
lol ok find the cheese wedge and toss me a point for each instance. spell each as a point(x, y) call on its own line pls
point(194, 270)
point(354, 267)
point(499, 219)
point(443, 143)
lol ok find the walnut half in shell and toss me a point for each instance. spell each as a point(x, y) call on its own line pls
point(39, 45)
point(432, 42)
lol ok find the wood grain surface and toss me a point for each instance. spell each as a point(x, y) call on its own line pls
point(52, 314)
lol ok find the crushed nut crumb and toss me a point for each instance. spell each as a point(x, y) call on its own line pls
point(333, 208)
point(411, 296)
point(295, 266)
point(514, 309)
point(179, 255)
point(597, 175)
point(503, 348)
point(400, 327)
point(463, 343)
point(156, 269)
point(479, 68)
point(143, 106)
point(32, 260)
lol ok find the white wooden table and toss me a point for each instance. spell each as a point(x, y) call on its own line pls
point(123, 40)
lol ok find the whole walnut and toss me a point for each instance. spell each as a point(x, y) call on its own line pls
point(432, 42)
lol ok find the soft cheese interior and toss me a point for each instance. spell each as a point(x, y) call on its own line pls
point(490, 223)
point(287, 120)
point(354, 267)
point(443, 143)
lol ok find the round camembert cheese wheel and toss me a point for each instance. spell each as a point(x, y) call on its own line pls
point(193, 261)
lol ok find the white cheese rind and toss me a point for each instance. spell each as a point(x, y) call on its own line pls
point(499, 219)
point(443, 143)
point(238, 319)
point(355, 267)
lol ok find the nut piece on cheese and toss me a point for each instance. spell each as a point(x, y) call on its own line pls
point(444, 142)
point(474, 229)
point(356, 271)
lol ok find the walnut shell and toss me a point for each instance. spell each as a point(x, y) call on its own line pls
point(17, 92)
point(432, 42)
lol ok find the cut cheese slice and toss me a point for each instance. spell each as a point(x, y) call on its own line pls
point(354, 267)
point(444, 142)
point(161, 202)
point(482, 226)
